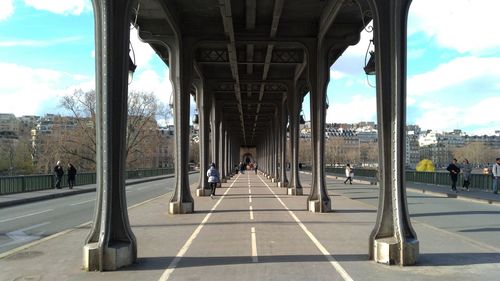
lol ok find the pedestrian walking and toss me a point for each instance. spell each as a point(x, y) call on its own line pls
point(71, 175)
point(466, 170)
point(454, 171)
point(496, 175)
point(256, 167)
point(58, 173)
point(213, 178)
point(349, 173)
point(242, 168)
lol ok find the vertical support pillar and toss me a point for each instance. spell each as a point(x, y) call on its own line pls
point(318, 74)
point(222, 151)
point(393, 240)
point(181, 68)
point(294, 105)
point(283, 181)
point(111, 243)
point(214, 123)
point(203, 103)
point(274, 144)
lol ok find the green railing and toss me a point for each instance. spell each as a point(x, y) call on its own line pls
point(16, 184)
point(477, 181)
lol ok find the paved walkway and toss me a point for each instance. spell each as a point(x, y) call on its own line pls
point(253, 231)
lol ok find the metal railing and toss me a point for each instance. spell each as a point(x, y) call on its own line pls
point(17, 184)
point(477, 181)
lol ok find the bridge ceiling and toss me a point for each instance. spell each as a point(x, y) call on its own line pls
point(247, 49)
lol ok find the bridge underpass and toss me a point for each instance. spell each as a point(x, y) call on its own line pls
point(249, 64)
point(253, 230)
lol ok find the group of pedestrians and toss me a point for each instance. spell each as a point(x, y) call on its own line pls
point(466, 168)
point(59, 173)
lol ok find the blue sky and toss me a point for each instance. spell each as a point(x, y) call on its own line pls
point(46, 51)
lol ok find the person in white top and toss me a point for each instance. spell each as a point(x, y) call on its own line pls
point(348, 174)
point(496, 175)
point(213, 178)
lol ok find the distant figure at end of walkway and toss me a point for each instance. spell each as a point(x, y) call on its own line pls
point(496, 175)
point(349, 173)
point(213, 178)
point(454, 171)
point(256, 167)
point(58, 172)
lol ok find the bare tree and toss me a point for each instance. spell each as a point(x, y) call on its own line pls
point(142, 136)
point(476, 153)
point(305, 151)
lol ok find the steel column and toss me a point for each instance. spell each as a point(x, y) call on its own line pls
point(111, 243)
point(393, 240)
point(318, 75)
point(203, 104)
point(283, 181)
point(294, 105)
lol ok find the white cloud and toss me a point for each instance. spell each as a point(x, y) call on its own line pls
point(63, 7)
point(445, 117)
point(25, 90)
point(40, 43)
point(358, 108)
point(143, 52)
point(462, 25)
point(336, 75)
point(6, 9)
point(454, 73)
point(151, 81)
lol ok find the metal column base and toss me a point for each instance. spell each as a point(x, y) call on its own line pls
point(387, 251)
point(180, 208)
point(295, 191)
point(203, 192)
point(116, 256)
point(223, 180)
point(314, 206)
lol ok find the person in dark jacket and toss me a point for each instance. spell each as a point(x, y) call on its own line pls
point(71, 175)
point(454, 171)
point(58, 172)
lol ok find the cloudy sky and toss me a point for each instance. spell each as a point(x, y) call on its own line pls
point(47, 51)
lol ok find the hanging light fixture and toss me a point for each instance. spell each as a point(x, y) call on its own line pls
point(302, 121)
point(131, 65)
point(195, 118)
point(370, 65)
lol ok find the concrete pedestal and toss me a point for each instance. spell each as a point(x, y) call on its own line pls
point(181, 208)
point(387, 251)
point(203, 192)
point(116, 256)
point(295, 191)
point(315, 207)
point(282, 184)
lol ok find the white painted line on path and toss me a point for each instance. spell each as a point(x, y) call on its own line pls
point(249, 191)
point(251, 212)
point(53, 236)
point(27, 215)
point(249, 198)
point(311, 236)
point(171, 267)
point(82, 202)
point(255, 257)
point(20, 236)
